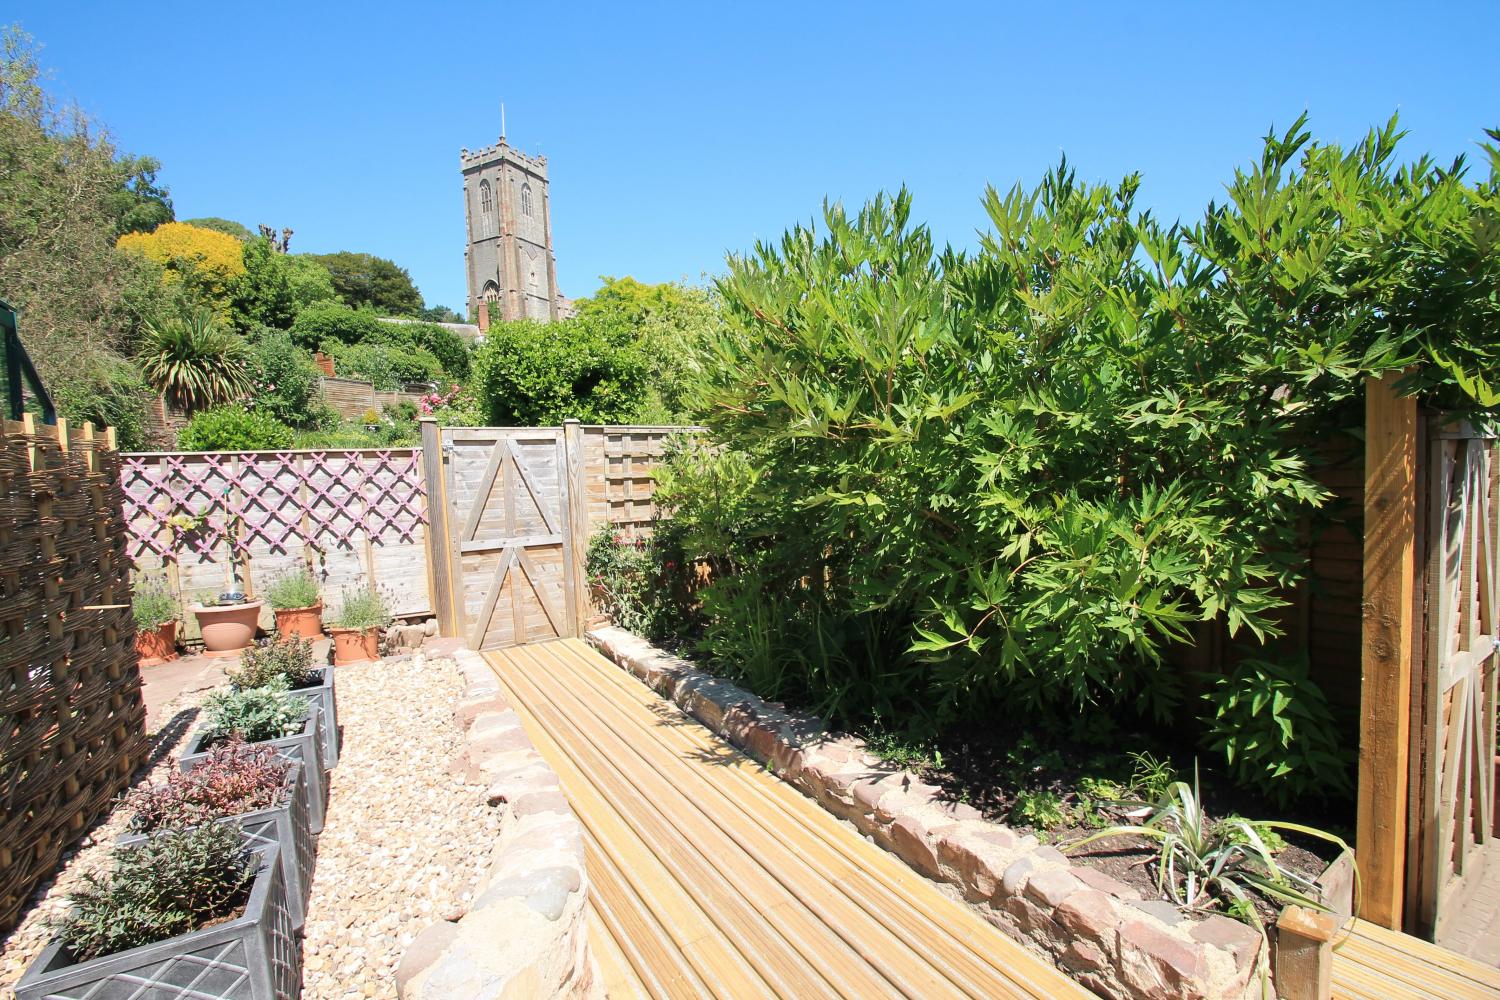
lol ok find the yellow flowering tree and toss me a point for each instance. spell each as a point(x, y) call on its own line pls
point(208, 262)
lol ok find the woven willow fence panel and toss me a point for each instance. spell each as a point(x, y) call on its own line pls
point(72, 722)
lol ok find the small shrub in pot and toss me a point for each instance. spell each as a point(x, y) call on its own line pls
point(236, 778)
point(291, 660)
point(298, 605)
point(262, 663)
point(254, 715)
point(356, 628)
point(157, 889)
point(155, 612)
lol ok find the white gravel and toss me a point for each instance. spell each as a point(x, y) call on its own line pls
point(405, 843)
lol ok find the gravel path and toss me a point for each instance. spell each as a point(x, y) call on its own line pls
point(405, 843)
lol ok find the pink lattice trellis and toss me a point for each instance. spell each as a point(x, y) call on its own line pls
point(280, 499)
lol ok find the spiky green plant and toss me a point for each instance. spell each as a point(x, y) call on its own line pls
point(194, 362)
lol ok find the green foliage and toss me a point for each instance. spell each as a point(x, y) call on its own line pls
point(1019, 476)
point(108, 392)
point(81, 303)
point(139, 204)
point(253, 714)
point(1273, 725)
point(234, 428)
point(262, 296)
point(530, 374)
point(271, 662)
point(903, 749)
point(440, 314)
point(285, 381)
point(171, 884)
point(669, 322)
point(364, 280)
point(445, 345)
point(1041, 809)
point(1203, 863)
point(323, 322)
point(227, 226)
point(629, 580)
point(1150, 778)
point(297, 589)
point(309, 280)
point(388, 367)
point(152, 604)
point(193, 362)
point(362, 609)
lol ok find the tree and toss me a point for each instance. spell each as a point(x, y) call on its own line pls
point(226, 226)
point(202, 265)
point(139, 205)
point(447, 346)
point(309, 279)
point(322, 322)
point(440, 314)
point(364, 280)
point(81, 302)
point(262, 296)
point(529, 374)
point(194, 363)
point(669, 321)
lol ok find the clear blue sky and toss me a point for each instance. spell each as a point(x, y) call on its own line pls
point(675, 133)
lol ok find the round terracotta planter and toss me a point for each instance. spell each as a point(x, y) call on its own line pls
point(300, 623)
point(158, 645)
point(229, 628)
point(353, 645)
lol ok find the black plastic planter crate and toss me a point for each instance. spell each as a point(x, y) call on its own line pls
point(306, 745)
point(256, 956)
point(323, 695)
point(286, 826)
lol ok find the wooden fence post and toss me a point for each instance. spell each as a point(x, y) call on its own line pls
point(439, 577)
point(578, 525)
point(1387, 643)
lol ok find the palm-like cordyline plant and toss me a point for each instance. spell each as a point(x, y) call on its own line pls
point(194, 362)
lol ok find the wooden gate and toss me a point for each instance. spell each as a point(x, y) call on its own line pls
point(1456, 690)
point(510, 534)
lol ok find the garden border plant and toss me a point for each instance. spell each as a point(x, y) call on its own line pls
point(289, 661)
point(156, 616)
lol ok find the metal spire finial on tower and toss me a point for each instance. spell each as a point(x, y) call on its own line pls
point(502, 121)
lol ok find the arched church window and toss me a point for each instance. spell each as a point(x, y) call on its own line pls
point(526, 199)
point(486, 209)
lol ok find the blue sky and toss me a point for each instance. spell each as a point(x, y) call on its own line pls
point(677, 132)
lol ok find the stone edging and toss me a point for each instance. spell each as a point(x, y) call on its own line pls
point(526, 934)
point(1093, 926)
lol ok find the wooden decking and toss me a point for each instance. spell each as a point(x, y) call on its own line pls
point(1377, 964)
point(713, 879)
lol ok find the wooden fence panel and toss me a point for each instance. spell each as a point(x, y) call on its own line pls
point(354, 517)
point(618, 470)
point(72, 721)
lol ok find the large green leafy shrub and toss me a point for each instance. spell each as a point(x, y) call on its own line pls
point(234, 428)
point(947, 481)
point(531, 374)
point(442, 343)
point(285, 381)
point(321, 322)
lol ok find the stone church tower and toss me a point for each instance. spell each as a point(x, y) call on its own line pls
point(509, 258)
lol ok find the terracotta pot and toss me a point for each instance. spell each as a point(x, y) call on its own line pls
point(300, 623)
point(353, 645)
point(228, 628)
point(157, 645)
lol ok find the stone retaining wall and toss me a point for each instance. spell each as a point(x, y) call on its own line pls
point(1093, 926)
point(526, 934)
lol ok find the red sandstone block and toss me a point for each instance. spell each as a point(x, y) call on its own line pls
point(1154, 964)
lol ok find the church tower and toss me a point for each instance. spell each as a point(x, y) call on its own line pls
point(509, 257)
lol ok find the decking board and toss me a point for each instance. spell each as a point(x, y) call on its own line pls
point(713, 878)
